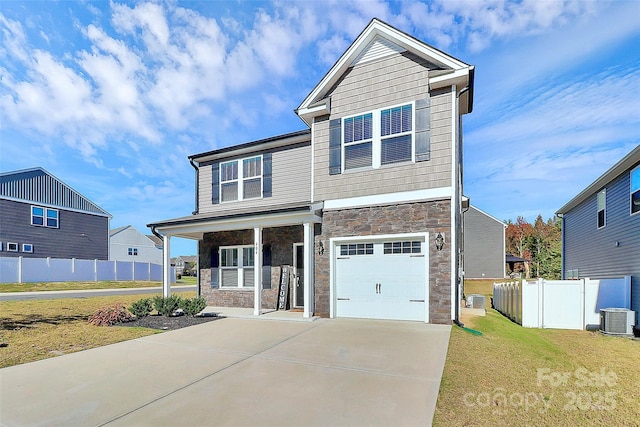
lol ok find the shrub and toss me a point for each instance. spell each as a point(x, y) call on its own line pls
point(193, 306)
point(110, 315)
point(141, 308)
point(166, 306)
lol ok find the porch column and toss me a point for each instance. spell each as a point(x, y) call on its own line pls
point(257, 271)
point(308, 270)
point(166, 264)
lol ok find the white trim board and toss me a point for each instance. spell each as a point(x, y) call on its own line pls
point(390, 198)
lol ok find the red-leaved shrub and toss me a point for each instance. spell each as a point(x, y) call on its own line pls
point(110, 315)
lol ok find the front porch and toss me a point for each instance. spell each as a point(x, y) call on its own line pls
point(241, 253)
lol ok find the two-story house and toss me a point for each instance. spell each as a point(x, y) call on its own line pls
point(601, 228)
point(41, 217)
point(128, 244)
point(364, 205)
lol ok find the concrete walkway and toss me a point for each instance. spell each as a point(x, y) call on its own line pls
point(239, 372)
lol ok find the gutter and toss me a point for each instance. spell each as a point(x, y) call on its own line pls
point(197, 201)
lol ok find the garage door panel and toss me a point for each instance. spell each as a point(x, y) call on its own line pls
point(382, 285)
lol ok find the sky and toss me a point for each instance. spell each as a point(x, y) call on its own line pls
point(111, 97)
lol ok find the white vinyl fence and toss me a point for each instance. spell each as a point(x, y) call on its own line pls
point(560, 304)
point(28, 270)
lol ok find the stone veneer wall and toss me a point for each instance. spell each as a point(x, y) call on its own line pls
point(281, 240)
point(432, 217)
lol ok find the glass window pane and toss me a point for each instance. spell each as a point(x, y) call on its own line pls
point(37, 211)
point(52, 213)
point(357, 156)
point(367, 126)
point(248, 280)
point(37, 220)
point(406, 118)
point(229, 191)
point(247, 257)
point(252, 188)
point(348, 130)
point(396, 150)
point(357, 128)
point(229, 278)
point(52, 222)
point(385, 122)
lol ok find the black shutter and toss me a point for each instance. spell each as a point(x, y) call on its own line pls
point(335, 147)
point(266, 267)
point(266, 175)
point(215, 183)
point(214, 268)
point(423, 131)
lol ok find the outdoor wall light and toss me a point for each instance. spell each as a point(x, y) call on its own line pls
point(320, 248)
point(439, 241)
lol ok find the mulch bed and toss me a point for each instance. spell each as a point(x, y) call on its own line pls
point(166, 323)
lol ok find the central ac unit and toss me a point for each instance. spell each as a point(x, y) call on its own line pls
point(617, 321)
point(476, 301)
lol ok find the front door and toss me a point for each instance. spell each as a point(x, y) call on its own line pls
point(298, 268)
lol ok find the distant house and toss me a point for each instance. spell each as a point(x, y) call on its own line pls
point(601, 228)
point(128, 244)
point(484, 248)
point(186, 265)
point(40, 217)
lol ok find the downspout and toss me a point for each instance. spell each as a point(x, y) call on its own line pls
point(458, 206)
point(197, 201)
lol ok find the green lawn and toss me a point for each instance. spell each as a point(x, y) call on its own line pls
point(520, 376)
point(73, 286)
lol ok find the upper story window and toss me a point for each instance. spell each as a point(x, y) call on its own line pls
point(635, 190)
point(358, 141)
point(241, 179)
point(380, 137)
point(602, 208)
point(44, 217)
point(396, 134)
point(132, 251)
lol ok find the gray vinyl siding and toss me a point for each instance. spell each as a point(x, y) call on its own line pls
point(484, 255)
point(80, 235)
point(592, 251)
point(393, 80)
point(291, 175)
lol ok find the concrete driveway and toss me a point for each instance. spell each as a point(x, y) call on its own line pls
point(239, 372)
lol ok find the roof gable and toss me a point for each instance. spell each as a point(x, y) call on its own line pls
point(36, 185)
point(629, 162)
point(377, 40)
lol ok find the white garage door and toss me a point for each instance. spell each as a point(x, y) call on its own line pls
point(381, 279)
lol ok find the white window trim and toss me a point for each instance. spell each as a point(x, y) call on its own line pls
point(240, 267)
point(604, 209)
point(10, 244)
point(45, 212)
point(240, 180)
point(376, 140)
point(24, 248)
point(636, 170)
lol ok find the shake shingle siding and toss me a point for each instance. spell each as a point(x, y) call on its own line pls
point(80, 235)
point(391, 81)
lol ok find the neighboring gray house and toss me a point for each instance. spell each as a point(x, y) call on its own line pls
point(128, 244)
point(364, 205)
point(601, 228)
point(484, 247)
point(40, 217)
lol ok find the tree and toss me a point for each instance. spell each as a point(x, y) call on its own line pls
point(540, 243)
point(516, 237)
